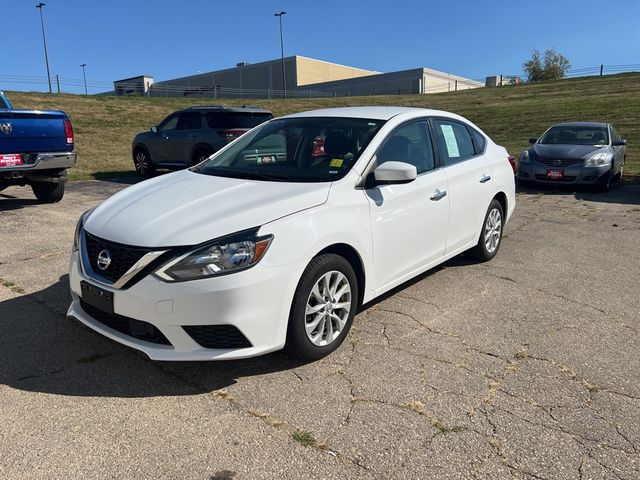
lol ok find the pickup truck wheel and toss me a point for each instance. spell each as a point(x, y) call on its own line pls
point(142, 162)
point(47, 192)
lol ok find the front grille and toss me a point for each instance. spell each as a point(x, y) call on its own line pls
point(217, 336)
point(129, 326)
point(123, 257)
point(563, 162)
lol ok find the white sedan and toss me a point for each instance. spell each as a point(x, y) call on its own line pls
point(277, 239)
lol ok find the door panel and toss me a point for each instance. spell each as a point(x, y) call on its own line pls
point(470, 185)
point(409, 228)
point(469, 180)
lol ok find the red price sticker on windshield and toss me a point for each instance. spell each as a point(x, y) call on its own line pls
point(10, 160)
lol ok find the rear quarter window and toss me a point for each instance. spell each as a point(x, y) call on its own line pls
point(236, 119)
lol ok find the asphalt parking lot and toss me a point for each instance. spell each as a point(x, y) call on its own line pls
point(524, 367)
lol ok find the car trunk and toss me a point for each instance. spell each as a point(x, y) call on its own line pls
point(23, 131)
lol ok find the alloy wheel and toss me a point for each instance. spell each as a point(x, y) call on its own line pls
point(327, 309)
point(141, 163)
point(492, 230)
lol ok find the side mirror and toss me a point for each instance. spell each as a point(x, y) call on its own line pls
point(533, 140)
point(154, 129)
point(393, 173)
point(619, 143)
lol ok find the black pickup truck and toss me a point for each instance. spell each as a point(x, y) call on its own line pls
point(36, 149)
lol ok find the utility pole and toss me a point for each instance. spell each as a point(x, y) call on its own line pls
point(84, 77)
point(44, 42)
point(284, 83)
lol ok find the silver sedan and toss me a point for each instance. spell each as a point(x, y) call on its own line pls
point(585, 153)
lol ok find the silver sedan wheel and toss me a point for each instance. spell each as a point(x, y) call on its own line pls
point(492, 230)
point(141, 163)
point(327, 309)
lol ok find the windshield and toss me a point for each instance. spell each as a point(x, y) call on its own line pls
point(295, 150)
point(575, 135)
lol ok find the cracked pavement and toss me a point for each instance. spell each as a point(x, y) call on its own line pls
point(525, 367)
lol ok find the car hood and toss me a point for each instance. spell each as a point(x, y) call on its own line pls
point(187, 208)
point(566, 151)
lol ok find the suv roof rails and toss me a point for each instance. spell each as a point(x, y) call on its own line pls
point(198, 107)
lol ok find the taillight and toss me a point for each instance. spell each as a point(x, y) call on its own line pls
point(68, 131)
point(512, 161)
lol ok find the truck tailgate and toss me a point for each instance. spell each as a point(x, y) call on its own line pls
point(32, 132)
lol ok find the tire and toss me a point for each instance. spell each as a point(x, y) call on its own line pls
point(493, 224)
point(311, 336)
point(200, 155)
point(525, 183)
point(142, 163)
point(47, 192)
point(605, 185)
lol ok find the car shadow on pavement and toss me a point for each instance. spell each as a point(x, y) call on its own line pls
point(8, 202)
point(628, 194)
point(41, 350)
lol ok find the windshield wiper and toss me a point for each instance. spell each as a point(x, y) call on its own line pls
point(246, 174)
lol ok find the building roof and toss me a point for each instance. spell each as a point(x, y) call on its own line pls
point(133, 78)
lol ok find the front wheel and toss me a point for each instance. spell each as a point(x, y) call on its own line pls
point(323, 307)
point(47, 192)
point(142, 163)
point(491, 234)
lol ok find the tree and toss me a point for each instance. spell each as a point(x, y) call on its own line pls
point(552, 67)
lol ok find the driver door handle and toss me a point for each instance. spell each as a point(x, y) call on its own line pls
point(438, 195)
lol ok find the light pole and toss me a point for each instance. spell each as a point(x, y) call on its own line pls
point(84, 77)
point(284, 84)
point(44, 41)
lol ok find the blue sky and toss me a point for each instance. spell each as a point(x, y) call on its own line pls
point(168, 39)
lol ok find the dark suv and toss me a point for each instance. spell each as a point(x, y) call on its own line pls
point(189, 136)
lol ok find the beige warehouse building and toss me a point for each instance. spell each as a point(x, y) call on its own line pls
point(304, 77)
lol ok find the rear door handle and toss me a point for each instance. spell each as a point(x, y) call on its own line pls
point(439, 195)
point(485, 179)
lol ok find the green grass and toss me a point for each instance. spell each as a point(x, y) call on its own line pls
point(105, 126)
point(305, 438)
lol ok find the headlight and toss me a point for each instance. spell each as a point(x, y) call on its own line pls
point(227, 255)
point(79, 225)
point(599, 160)
point(524, 157)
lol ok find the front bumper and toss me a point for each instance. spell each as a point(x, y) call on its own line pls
point(572, 175)
point(44, 161)
point(256, 302)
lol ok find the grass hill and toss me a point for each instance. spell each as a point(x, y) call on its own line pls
point(106, 125)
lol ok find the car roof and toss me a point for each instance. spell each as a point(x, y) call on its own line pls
point(580, 124)
point(373, 113)
point(223, 108)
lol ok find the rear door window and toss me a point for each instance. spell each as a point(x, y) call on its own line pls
point(189, 121)
point(453, 141)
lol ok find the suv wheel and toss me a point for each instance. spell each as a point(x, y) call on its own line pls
point(47, 192)
point(323, 307)
point(200, 155)
point(142, 162)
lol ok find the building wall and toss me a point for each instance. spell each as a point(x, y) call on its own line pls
point(438, 82)
point(311, 71)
